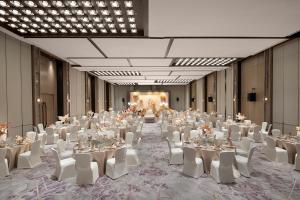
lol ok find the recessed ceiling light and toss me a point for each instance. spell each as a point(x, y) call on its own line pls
point(24, 26)
point(49, 19)
point(122, 25)
point(32, 30)
point(79, 12)
point(114, 4)
point(86, 4)
point(67, 25)
point(2, 12)
point(56, 25)
point(103, 30)
point(93, 30)
point(118, 12)
point(63, 30)
point(25, 19)
point(58, 4)
point(42, 30)
point(22, 30)
point(73, 30)
point(14, 19)
point(133, 30)
point(100, 25)
point(37, 19)
point(132, 25)
point(130, 12)
point(2, 19)
point(30, 3)
point(105, 12)
point(40, 12)
point(101, 4)
point(3, 4)
point(85, 19)
point(35, 25)
point(27, 12)
point(52, 30)
point(72, 19)
point(97, 19)
point(78, 25)
point(131, 19)
point(12, 25)
point(92, 12)
point(61, 19)
point(108, 19)
point(45, 25)
point(66, 12)
point(111, 25)
point(53, 12)
point(113, 30)
point(72, 4)
point(120, 19)
point(44, 4)
point(123, 30)
point(83, 30)
point(16, 3)
point(128, 4)
point(89, 25)
point(15, 12)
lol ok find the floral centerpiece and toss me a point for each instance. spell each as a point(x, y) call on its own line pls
point(206, 130)
point(3, 132)
point(65, 119)
point(19, 139)
point(240, 117)
point(298, 131)
point(90, 114)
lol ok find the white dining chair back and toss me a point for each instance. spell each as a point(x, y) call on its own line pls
point(40, 127)
point(276, 133)
point(87, 171)
point(65, 168)
point(297, 157)
point(235, 132)
point(3, 163)
point(31, 135)
point(31, 158)
point(121, 156)
point(129, 139)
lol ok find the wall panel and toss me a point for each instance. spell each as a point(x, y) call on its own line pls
point(3, 99)
point(200, 94)
point(77, 92)
point(221, 97)
point(229, 92)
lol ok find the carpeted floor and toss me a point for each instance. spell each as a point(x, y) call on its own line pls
point(154, 176)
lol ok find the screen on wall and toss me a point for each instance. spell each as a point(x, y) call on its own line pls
point(149, 100)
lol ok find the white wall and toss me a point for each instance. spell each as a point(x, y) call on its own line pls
point(286, 59)
point(16, 85)
point(77, 92)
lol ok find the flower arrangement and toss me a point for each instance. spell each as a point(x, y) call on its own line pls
point(3, 129)
point(90, 114)
point(206, 129)
point(240, 117)
point(65, 119)
point(19, 139)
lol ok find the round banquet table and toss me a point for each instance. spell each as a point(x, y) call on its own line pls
point(13, 152)
point(290, 146)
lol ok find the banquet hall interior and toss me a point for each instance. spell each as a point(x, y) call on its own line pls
point(150, 99)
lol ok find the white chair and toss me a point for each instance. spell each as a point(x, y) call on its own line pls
point(175, 155)
point(297, 157)
point(52, 137)
point(245, 146)
point(176, 139)
point(3, 163)
point(58, 123)
point(30, 158)
point(171, 129)
point(65, 168)
point(255, 134)
point(132, 157)
point(73, 133)
point(40, 127)
point(31, 135)
point(274, 153)
point(243, 163)
point(222, 170)
point(86, 171)
point(247, 122)
point(129, 139)
point(276, 133)
point(117, 166)
point(43, 138)
point(61, 149)
point(264, 131)
point(192, 166)
point(186, 135)
point(235, 132)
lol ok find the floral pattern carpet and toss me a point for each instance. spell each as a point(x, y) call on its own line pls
point(154, 178)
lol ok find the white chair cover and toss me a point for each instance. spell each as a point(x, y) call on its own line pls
point(87, 171)
point(3, 163)
point(192, 166)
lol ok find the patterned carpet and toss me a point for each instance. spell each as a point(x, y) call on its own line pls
point(154, 177)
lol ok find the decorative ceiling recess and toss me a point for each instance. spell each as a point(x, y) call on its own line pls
point(116, 73)
point(73, 18)
point(202, 61)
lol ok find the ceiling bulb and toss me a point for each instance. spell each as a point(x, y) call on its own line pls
point(108, 19)
point(100, 25)
point(89, 25)
point(22, 30)
point(61, 19)
point(66, 12)
point(24, 26)
point(113, 30)
point(58, 4)
point(105, 12)
point(118, 12)
point(122, 25)
point(101, 4)
point(52, 30)
point(35, 25)
point(123, 30)
point(53, 12)
point(45, 25)
point(131, 19)
point(130, 12)
point(2, 12)
point(72, 4)
point(2, 19)
point(25, 19)
point(57, 25)
point(103, 30)
point(15, 12)
point(132, 25)
point(128, 4)
point(30, 3)
point(92, 12)
point(73, 19)
point(44, 4)
point(114, 4)
point(63, 30)
point(49, 19)
point(120, 19)
point(42, 30)
point(3, 4)
point(27, 12)
point(16, 3)
point(86, 4)
point(111, 25)
point(133, 30)
point(12, 25)
point(93, 30)
point(37, 19)
point(73, 30)
point(79, 12)
point(85, 19)
point(40, 12)
point(32, 30)
point(67, 25)
point(14, 19)
point(83, 30)
point(97, 19)
point(78, 25)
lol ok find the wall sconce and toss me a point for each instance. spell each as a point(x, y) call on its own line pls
point(177, 99)
point(233, 99)
point(266, 99)
point(38, 100)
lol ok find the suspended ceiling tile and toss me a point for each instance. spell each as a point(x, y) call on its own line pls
point(132, 47)
point(122, 77)
point(230, 18)
point(67, 47)
point(160, 77)
point(191, 77)
point(220, 47)
point(154, 69)
point(187, 73)
point(101, 62)
point(150, 62)
point(153, 73)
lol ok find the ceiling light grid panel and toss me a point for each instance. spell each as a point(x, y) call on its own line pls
point(73, 18)
point(202, 61)
point(116, 73)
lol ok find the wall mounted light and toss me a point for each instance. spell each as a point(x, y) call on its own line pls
point(38, 100)
point(266, 98)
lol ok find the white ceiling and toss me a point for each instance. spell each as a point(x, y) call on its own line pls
point(229, 18)
point(194, 24)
